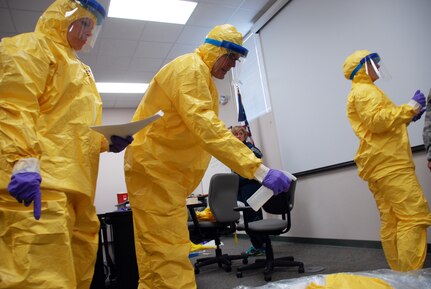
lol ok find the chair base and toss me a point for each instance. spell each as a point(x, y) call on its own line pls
point(269, 266)
point(223, 260)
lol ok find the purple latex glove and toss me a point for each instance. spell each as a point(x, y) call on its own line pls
point(419, 114)
point(119, 143)
point(25, 187)
point(419, 98)
point(277, 181)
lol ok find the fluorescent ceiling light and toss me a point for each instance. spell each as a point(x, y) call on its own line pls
point(117, 87)
point(169, 11)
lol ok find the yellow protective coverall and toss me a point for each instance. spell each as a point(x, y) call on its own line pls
point(48, 98)
point(168, 159)
point(384, 159)
point(350, 281)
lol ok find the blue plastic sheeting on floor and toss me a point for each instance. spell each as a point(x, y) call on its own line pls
point(420, 279)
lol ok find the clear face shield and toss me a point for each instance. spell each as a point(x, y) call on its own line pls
point(83, 32)
point(236, 53)
point(374, 68)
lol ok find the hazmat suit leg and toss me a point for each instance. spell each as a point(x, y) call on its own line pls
point(404, 212)
point(85, 238)
point(162, 248)
point(32, 250)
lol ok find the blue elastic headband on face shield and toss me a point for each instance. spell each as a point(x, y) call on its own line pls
point(228, 45)
point(374, 56)
point(94, 7)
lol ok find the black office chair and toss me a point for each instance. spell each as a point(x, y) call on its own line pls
point(222, 199)
point(281, 204)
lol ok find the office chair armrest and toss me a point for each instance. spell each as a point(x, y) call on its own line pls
point(244, 209)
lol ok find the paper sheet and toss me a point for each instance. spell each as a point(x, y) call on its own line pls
point(126, 129)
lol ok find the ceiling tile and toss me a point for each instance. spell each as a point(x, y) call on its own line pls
point(161, 32)
point(242, 20)
point(126, 100)
point(106, 61)
point(140, 76)
point(229, 3)
point(108, 99)
point(180, 49)
point(257, 5)
point(117, 47)
point(133, 50)
point(35, 5)
point(6, 24)
point(6, 35)
point(117, 75)
point(146, 64)
point(193, 35)
point(122, 29)
point(153, 49)
point(209, 15)
point(25, 21)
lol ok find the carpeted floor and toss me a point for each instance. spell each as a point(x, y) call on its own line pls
point(332, 259)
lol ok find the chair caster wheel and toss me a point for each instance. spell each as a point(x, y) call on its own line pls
point(245, 261)
point(239, 274)
point(267, 277)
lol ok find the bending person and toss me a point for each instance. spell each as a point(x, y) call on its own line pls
point(384, 160)
point(49, 157)
point(168, 159)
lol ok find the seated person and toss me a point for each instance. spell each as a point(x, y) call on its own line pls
point(246, 189)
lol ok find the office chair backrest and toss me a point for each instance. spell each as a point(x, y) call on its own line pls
point(222, 197)
point(282, 203)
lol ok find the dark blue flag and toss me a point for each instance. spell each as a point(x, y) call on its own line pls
point(242, 118)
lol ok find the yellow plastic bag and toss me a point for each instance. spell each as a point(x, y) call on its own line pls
point(199, 247)
point(205, 215)
point(349, 281)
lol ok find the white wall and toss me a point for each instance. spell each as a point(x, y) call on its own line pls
point(333, 204)
point(304, 47)
point(111, 174)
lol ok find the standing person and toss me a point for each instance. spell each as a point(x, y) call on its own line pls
point(247, 187)
point(167, 160)
point(49, 156)
point(384, 160)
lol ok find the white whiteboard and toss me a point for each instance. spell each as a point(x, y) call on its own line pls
point(304, 47)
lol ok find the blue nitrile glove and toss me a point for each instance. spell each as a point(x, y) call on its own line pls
point(119, 143)
point(25, 187)
point(419, 98)
point(277, 181)
point(419, 114)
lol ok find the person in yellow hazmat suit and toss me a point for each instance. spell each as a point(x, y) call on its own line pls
point(384, 160)
point(49, 156)
point(168, 159)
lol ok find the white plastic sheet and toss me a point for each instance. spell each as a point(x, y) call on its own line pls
point(420, 279)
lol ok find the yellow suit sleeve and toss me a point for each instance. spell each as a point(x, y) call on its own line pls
point(379, 114)
point(195, 104)
point(24, 71)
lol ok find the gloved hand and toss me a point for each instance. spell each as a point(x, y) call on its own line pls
point(119, 143)
point(419, 114)
point(419, 98)
point(25, 187)
point(277, 181)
